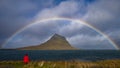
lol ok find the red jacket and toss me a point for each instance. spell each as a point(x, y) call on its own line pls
point(26, 59)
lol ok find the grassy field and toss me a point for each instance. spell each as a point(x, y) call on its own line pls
point(61, 64)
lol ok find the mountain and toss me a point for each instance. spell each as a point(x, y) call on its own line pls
point(56, 42)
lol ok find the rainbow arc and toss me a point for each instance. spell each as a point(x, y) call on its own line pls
point(59, 18)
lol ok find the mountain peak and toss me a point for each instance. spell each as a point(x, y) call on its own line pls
point(57, 36)
point(56, 42)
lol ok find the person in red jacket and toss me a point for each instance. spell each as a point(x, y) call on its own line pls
point(26, 59)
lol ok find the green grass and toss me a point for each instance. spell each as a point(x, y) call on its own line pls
point(11, 64)
point(61, 64)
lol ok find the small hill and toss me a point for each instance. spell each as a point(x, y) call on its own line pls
point(56, 42)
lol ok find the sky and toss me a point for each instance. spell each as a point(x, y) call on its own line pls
point(104, 15)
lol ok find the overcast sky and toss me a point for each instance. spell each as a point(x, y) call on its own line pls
point(102, 14)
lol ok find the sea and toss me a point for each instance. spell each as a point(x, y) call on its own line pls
point(56, 55)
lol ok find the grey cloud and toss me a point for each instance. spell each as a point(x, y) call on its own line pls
point(70, 9)
point(90, 42)
point(104, 15)
point(115, 36)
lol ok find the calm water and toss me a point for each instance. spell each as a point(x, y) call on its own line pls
point(89, 55)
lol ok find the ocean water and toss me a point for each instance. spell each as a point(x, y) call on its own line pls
point(86, 55)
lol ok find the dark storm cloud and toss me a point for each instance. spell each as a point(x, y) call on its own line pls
point(14, 14)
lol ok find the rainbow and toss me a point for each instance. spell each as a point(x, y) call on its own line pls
point(59, 18)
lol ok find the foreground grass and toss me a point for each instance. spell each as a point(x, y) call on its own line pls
point(61, 64)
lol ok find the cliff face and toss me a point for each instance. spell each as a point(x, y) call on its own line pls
point(56, 42)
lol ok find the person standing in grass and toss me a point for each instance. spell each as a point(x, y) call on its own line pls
point(26, 59)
